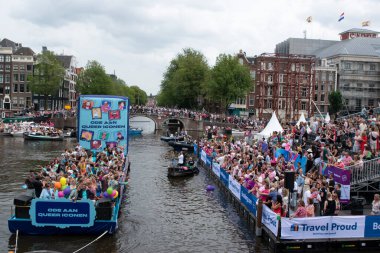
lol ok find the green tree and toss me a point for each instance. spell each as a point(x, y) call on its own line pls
point(48, 74)
point(94, 80)
point(184, 79)
point(139, 96)
point(336, 102)
point(229, 81)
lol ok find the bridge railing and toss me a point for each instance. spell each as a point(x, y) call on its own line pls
point(365, 172)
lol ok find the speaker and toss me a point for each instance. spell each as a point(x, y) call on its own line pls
point(289, 180)
point(22, 212)
point(22, 200)
point(103, 213)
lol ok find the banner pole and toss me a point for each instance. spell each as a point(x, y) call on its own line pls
point(259, 218)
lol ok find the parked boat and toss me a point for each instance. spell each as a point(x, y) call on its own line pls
point(172, 138)
point(17, 133)
point(37, 136)
point(182, 145)
point(135, 131)
point(69, 134)
point(182, 171)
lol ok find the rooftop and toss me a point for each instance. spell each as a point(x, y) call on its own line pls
point(358, 30)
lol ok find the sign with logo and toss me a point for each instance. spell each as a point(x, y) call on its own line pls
point(62, 213)
point(249, 200)
point(234, 186)
point(269, 219)
point(224, 176)
point(323, 227)
point(342, 177)
point(216, 169)
point(203, 156)
point(103, 121)
point(372, 226)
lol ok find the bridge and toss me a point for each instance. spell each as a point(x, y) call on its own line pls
point(160, 122)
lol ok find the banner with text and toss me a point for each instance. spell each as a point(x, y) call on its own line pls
point(208, 161)
point(203, 156)
point(323, 227)
point(62, 213)
point(372, 226)
point(270, 220)
point(216, 169)
point(249, 200)
point(234, 186)
point(103, 121)
point(342, 177)
point(224, 176)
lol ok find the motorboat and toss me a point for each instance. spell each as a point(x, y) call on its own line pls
point(182, 145)
point(182, 171)
point(135, 131)
point(38, 136)
point(172, 138)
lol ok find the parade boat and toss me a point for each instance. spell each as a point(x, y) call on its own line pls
point(172, 138)
point(182, 171)
point(135, 131)
point(182, 145)
point(37, 136)
point(98, 117)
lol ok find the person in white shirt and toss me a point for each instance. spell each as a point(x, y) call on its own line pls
point(180, 158)
point(306, 195)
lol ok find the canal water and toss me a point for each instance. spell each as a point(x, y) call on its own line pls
point(158, 214)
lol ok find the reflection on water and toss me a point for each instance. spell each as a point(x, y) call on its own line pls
point(158, 215)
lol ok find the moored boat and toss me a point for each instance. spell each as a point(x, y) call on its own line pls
point(182, 171)
point(37, 136)
point(172, 138)
point(182, 145)
point(135, 131)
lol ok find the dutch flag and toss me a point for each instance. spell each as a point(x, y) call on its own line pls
point(341, 17)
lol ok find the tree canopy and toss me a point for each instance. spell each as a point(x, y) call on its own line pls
point(184, 79)
point(336, 102)
point(48, 74)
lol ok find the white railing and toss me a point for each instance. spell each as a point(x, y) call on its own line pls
point(369, 171)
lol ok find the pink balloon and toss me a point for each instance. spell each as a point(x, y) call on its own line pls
point(113, 193)
point(61, 194)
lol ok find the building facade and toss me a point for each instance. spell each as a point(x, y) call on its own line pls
point(249, 100)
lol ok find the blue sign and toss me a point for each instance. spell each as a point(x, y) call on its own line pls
point(216, 169)
point(103, 121)
point(303, 162)
point(62, 213)
point(208, 161)
point(282, 152)
point(372, 226)
point(249, 200)
point(224, 176)
point(195, 149)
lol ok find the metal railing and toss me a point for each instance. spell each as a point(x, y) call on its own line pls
point(366, 175)
point(360, 114)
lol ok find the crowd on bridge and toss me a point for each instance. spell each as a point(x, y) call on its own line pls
point(253, 162)
point(77, 174)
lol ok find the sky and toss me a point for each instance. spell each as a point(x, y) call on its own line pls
point(138, 39)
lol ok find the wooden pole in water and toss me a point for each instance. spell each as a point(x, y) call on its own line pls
point(259, 217)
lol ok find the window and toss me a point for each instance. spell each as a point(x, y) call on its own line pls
point(263, 65)
point(8, 58)
point(270, 78)
point(28, 101)
point(29, 67)
point(270, 66)
point(322, 97)
point(359, 87)
point(282, 78)
point(303, 67)
point(27, 89)
point(21, 102)
point(269, 103)
point(14, 101)
point(322, 108)
point(293, 67)
point(303, 105)
point(1, 79)
point(281, 92)
point(331, 76)
point(347, 65)
point(347, 102)
point(316, 87)
point(15, 77)
point(358, 103)
point(315, 97)
point(304, 91)
point(22, 87)
point(372, 67)
point(22, 77)
point(15, 67)
point(371, 102)
point(1, 67)
point(7, 68)
point(324, 76)
point(269, 91)
point(251, 101)
point(1, 91)
point(252, 72)
point(7, 90)
point(1, 58)
point(322, 86)
point(15, 87)
point(360, 66)
point(7, 78)
point(22, 67)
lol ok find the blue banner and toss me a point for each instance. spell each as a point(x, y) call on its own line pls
point(195, 149)
point(103, 121)
point(203, 156)
point(303, 161)
point(372, 226)
point(282, 152)
point(224, 176)
point(216, 169)
point(248, 200)
point(208, 161)
point(62, 213)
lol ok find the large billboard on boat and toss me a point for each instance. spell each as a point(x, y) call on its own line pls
point(103, 121)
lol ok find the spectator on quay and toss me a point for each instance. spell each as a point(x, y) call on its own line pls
point(310, 208)
point(376, 205)
point(301, 210)
point(329, 206)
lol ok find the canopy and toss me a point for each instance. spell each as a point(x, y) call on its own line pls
point(272, 126)
point(327, 118)
point(302, 119)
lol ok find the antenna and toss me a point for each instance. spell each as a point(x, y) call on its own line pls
point(304, 34)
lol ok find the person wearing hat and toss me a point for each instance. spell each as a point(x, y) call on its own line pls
point(310, 160)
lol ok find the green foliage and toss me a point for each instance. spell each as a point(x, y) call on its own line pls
point(139, 96)
point(230, 80)
point(184, 79)
point(336, 102)
point(94, 80)
point(48, 75)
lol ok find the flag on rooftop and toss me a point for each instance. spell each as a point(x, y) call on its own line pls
point(309, 19)
point(341, 17)
point(365, 23)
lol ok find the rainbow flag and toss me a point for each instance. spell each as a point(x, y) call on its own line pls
point(341, 17)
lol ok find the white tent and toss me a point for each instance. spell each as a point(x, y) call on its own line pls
point(272, 126)
point(302, 119)
point(327, 118)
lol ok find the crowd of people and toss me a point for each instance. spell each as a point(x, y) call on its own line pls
point(253, 163)
point(76, 175)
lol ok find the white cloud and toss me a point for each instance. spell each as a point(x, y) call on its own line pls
point(138, 38)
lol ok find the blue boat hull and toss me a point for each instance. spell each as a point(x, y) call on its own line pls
point(135, 132)
point(24, 226)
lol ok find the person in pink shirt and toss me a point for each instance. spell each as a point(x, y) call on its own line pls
point(301, 211)
point(347, 159)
